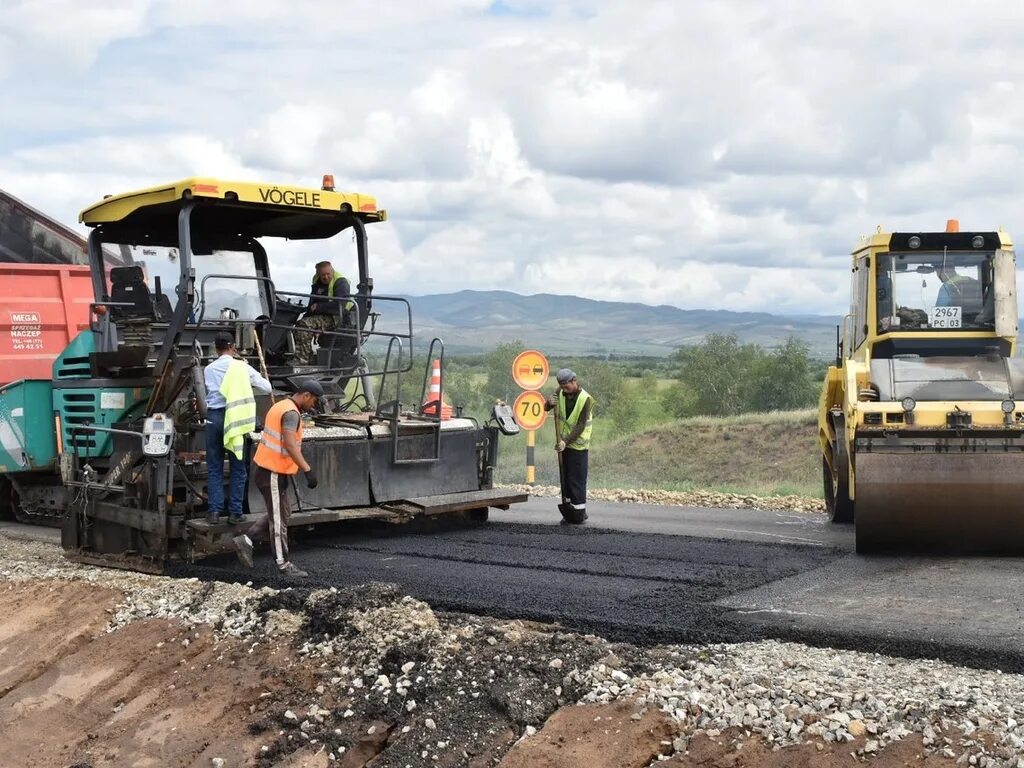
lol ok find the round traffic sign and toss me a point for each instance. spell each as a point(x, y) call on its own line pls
point(530, 369)
point(529, 410)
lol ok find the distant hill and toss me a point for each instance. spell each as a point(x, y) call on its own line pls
point(475, 321)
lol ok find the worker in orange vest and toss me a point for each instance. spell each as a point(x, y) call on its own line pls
point(278, 458)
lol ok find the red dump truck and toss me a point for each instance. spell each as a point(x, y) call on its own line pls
point(45, 289)
point(42, 308)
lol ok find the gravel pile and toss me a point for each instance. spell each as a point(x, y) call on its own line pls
point(686, 498)
point(454, 686)
point(789, 693)
point(226, 607)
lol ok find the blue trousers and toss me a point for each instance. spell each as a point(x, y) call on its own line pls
point(215, 468)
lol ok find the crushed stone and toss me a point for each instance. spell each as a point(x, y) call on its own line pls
point(396, 680)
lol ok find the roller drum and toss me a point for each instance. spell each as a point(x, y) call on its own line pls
point(951, 501)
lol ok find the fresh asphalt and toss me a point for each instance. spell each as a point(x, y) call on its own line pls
point(966, 609)
point(652, 574)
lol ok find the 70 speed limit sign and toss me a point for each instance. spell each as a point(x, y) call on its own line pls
point(529, 410)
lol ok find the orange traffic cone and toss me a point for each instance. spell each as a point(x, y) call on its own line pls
point(434, 395)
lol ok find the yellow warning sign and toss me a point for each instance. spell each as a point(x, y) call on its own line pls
point(530, 370)
point(529, 410)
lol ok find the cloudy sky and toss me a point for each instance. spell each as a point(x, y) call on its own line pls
point(719, 154)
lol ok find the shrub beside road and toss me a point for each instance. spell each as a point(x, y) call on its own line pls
point(755, 460)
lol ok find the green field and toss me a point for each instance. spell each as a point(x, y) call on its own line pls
point(767, 454)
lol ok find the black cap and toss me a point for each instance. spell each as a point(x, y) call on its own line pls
point(223, 340)
point(312, 386)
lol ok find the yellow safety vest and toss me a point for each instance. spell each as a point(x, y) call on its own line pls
point(240, 412)
point(568, 422)
point(335, 277)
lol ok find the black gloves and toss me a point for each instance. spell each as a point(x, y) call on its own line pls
point(311, 480)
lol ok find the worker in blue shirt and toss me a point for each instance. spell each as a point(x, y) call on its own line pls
point(217, 407)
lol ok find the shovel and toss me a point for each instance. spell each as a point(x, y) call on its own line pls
point(565, 508)
point(263, 370)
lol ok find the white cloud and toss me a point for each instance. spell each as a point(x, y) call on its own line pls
point(720, 154)
point(51, 35)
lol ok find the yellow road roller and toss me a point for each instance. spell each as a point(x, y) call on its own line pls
point(921, 419)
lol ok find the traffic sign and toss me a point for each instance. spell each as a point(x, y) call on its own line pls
point(529, 410)
point(530, 370)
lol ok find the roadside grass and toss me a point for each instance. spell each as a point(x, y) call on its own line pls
point(763, 454)
point(807, 416)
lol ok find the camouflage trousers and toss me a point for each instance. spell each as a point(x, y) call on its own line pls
point(306, 330)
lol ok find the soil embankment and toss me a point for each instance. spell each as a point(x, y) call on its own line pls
point(109, 668)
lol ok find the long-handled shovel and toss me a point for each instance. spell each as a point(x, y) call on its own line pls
point(565, 508)
point(266, 375)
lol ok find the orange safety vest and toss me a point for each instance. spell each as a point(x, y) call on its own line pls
point(271, 453)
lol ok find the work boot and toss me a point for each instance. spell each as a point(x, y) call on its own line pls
point(236, 519)
point(213, 517)
point(291, 571)
point(243, 548)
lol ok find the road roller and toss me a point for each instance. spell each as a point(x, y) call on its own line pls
point(921, 419)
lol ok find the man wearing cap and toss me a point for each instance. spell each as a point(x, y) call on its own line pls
point(278, 458)
point(230, 415)
point(575, 421)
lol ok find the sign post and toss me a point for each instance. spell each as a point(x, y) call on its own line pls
point(530, 371)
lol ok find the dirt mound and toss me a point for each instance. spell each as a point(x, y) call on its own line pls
point(376, 679)
point(366, 676)
point(706, 752)
point(625, 735)
point(586, 737)
point(150, 693)
point(29, 646)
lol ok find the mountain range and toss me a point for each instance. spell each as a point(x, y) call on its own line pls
point(476, 321)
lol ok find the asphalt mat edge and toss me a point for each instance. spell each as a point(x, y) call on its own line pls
point(459, 569)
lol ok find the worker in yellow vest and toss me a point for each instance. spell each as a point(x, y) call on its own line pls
point(230, 416)
point(323, 312)
point(575, 410)
point(279, 458)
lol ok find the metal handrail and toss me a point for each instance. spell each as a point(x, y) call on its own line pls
point(93, 429)
point(438, 405)
point(202, 301)
point(254, 278)
point(197, 326)
point(392, 365)
point(379, 411)
point(395, 417)
point(355, 332)
point(358, 331)
point(426, 379)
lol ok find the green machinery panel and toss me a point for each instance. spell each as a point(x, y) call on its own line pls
point(79, 402)
point(96, 406)
point(28, 439)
